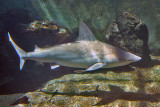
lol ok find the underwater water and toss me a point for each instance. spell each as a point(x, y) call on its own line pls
point(69, 35)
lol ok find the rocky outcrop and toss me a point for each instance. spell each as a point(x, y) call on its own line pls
point(43, 33)
point(129, 33)
point(110, 88)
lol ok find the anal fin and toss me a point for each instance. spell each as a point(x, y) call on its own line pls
point(54, 66)
point(22, 61)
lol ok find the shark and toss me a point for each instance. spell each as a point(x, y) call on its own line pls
point(86, 52)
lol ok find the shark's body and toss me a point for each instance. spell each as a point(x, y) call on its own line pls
point(87, 52)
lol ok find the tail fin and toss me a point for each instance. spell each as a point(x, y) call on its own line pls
point(21, 53)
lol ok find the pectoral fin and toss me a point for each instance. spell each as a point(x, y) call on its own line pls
point(91, 68)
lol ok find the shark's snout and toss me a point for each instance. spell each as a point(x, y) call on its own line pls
point(137, 58)
point(134, 58)
point(126, 56)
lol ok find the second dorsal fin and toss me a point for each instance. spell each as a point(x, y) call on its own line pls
point(85, 33)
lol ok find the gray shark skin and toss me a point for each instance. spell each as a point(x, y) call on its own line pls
point(87, 52)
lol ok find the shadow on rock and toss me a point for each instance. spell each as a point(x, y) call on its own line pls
point(115, 93)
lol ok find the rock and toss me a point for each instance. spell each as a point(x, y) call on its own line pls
point(7, 100)
point(130, 34)
point(101, 89)
point(78, 83)
point(43, 33)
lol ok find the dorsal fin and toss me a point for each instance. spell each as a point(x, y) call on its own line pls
point(85, 33)
point(37, 48)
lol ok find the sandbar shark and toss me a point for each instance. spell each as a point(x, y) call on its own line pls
point(86, 52)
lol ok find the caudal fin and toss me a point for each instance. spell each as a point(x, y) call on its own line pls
point(21, 53)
